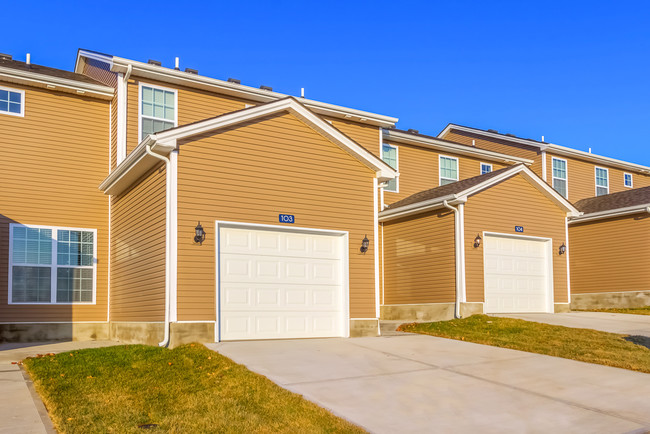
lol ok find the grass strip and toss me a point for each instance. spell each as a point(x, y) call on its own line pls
point(631, 310)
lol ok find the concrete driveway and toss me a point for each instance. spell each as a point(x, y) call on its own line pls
point(416, 383)
point(634, 325)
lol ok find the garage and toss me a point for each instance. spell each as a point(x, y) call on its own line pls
point(279, 283)
point(518, 274)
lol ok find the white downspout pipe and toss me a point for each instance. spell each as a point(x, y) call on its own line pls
point(458, 250)
point(165, 341)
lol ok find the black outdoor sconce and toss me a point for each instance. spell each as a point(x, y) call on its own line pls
point(477, 240)
point(199, 234)
point(562, 250)
point(364, 244)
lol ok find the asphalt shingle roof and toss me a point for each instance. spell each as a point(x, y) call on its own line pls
point(622, 199)
point(46, 70)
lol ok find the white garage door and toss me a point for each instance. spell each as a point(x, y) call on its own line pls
point(280, 284)
point(516, 275)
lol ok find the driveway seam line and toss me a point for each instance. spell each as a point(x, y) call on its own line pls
point(328, 380)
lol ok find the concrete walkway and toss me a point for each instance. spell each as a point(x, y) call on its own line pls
point(416, 383)
point(21, 410)
point(634, 325)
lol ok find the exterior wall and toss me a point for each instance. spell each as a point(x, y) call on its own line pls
point(138, 250)
point(581, 177)
point(52, 161)
point(419, 259)
point(255, 171)
point(419, 169)
point(610, 255)
point(368, 136)
point(513, 202)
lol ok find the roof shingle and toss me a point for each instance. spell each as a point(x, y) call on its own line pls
point(46, 70)
point(622, 199)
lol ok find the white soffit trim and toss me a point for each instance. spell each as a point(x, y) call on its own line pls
point(618, 212)
point(154, 72)
point(443, 145)
point(61, 84)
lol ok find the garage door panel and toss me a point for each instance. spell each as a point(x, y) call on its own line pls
point(250, 268)
point(266, 326)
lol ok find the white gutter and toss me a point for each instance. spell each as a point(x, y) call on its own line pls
point(168, 253)
point(403, 211)
point(459, 254)
point(73, 86)
point(611, 213)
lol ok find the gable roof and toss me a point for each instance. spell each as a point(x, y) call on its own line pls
point(550, 147)
point(458, 192)
point(138, 162)
point(622, 203)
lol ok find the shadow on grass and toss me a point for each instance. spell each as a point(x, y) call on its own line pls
point(644, 341)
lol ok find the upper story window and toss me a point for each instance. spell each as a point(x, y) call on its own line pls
point(389, 155)
point(627, 180)
point(560, 176)
point(51, 265)
point(448, 170)
point(485, 168)
point(602, 181)
point(12, 102)
point(157, 109)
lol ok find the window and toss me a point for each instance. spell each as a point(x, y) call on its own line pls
point(485, 168)
point(157, 109)
point(627, 180)
point(560, 176)
point(602, 181)
point(52, 265)
point(12, 102)
point(389, 155)
point(448, 170)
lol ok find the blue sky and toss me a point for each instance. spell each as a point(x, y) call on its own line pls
point(576, 72)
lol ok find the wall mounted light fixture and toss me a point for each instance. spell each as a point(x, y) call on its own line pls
point(364, 244)
point(562, 250)
point(477, 240)
point(199, 234)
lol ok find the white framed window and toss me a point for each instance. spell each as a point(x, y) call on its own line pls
point(486, 168)
point(559, 175)
point(448, 169)
point(627, 180)
point(390, 155)
point(602, 181)
point(157, 109)
point(12, 102)
point(52, 265)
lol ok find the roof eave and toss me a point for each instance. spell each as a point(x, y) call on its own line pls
point(618, 212)
point(71, 86)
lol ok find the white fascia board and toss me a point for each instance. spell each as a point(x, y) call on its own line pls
point(618, 212)
point(416, 208)
point(612, 162)
point(441, 145)
point(247, 92)
point(527, 142)
point(62, 84)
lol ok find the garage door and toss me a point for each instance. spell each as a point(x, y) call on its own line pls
point(516, 275)
point(280, 284)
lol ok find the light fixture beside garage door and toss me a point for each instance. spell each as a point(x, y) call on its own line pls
point(199, 234)
point(477, 240)
point(562, 250)
point(364, 244)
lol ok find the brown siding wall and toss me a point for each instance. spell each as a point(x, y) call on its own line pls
point(52, 161)
point(100, 71)
point(365, 135)
point(513, 202)
point(419, 259)
point(251, 174)
point(610, 255)
point(138, 250)
point(582, 177)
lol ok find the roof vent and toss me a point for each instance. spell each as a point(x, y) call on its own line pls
point(191, 71)
point(510, 135)
point(269, 88)
point(234, 80)
point(492, 131)
point(413, 131)
point(5, 56)
point(154, 62)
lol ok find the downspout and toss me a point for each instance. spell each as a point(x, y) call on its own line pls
point(165, 341)
point(457, 244)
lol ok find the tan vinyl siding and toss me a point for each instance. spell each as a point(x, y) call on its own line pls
point(419, 259)
point(611, 255)
point(367, 136)
point(100, 71)
point(138, 250)
point(52, 161)
point(193, 105)
point(113, 122)
point(419, 169)
point(581, 176)
point(256, 171)
point(513, 202)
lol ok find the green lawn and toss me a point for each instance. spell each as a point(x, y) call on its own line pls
point(189, 389)
point(631, 310)
point(571, 343)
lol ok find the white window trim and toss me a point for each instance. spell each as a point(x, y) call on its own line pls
point(553, 177)
point(53, 266)
point(596, 179)
point(153, 86)
point(396, 164)
point(22, 102)
point(631, 180)
point(480, 168)
point(440, 157)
